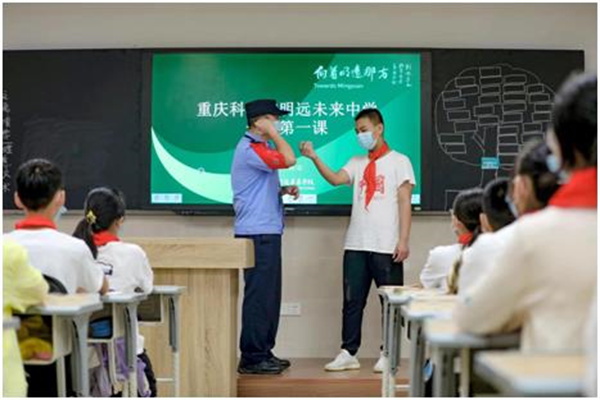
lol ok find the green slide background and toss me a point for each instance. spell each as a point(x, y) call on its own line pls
point(191, 154)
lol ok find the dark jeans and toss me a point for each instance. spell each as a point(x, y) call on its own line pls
point(360, 269)
point(262, 300)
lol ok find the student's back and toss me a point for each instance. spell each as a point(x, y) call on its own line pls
point(60, 256)
point(127, 265)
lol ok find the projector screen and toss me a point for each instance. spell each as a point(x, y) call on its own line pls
point(197, 117)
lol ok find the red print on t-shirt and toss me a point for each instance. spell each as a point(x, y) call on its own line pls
point(379, 185)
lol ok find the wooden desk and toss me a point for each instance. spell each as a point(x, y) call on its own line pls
point(445, 340)
point(209, 268)
point(416, 312)
point(519, 374)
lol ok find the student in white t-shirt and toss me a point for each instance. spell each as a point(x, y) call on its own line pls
point(125, 264)
point(547, 271)
point(466, 226)
point(41, 195)
point(377, 238)
point(532, 187)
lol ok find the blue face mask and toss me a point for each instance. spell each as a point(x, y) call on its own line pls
point(554, 166)
point(60, 213)
point(366, 140)
point(511, 206)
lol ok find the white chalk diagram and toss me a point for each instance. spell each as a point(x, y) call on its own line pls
point(490, 111)
point(7, 144)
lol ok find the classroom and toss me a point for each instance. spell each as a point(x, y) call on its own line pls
point(299, 199)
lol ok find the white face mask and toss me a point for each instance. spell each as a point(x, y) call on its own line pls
point(277, 126)
point(366, 140)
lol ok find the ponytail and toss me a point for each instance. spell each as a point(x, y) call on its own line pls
point(84, 232)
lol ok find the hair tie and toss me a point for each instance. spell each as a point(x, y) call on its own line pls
point(90, 217)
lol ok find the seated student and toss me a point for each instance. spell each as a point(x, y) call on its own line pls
point(465, 218)
point(40, 194)
point(533, 185)
point(23, 286)
point(548, 268)
point(465, 225)
point(495, 216)
point(125, 264)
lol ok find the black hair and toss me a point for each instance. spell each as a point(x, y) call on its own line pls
point(103, 206)
point(531, 162)
point(574, 119)
point(495, 206)
point(467, 206)
point(372, 113)
point(38, 180)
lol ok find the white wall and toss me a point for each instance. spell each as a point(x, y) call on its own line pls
point(312, 246)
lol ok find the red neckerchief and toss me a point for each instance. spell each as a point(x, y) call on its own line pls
point(465, 238)
point(579, 192)
point(35, 222)
point(370, 174)
point(104, 237)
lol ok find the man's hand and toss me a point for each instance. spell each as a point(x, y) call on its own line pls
point(291, 190)
point(266, 127)
point(307, 150)
point(401, 252)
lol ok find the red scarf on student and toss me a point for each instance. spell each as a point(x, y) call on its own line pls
point(104, 237)
point(580, 192)
point(465, 238)
point(370, 174)
point(35, 222)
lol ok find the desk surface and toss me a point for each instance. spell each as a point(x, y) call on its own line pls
point(404, 294)
point(425, 308)
point(11, 323)
point(68, 304)
point(520, 374)
point(168, 289)
point(123, 298)
point(445, 333)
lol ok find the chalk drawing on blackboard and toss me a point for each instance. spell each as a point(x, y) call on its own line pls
point(491, 111)
point(7, 143)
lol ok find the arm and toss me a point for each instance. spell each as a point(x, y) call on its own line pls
point(404, 209)
point(334, 178)
point(267, 127)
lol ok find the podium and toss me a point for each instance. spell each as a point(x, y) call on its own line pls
point(209, 269)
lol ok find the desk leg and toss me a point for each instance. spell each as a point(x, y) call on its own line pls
point(444, 373)
point(465, 372)
point(386, 349)
point(79, 357)
point(61, 377)
point(174, 340)
point(417, 347)
point(131, 346)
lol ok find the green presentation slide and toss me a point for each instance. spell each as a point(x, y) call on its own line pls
point(198, 117)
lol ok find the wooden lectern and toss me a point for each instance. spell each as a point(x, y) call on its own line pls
point(209, 269)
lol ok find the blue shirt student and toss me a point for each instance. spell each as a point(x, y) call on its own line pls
point(256, 188)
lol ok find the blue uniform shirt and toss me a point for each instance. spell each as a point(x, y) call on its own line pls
point(256, 189)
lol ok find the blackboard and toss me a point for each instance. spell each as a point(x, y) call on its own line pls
point(485, 105)
point(80, 109)
point(84, 110)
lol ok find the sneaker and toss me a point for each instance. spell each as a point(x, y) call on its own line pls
point(343, 362)
point(378, 368)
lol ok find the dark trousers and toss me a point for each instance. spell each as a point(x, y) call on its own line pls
point(262, 300)
point(360, 269)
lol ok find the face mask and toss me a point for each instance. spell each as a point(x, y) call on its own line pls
point(60, 213)
point(366, 140)
point(554, 166)
point(277, 125)
point(511, 206)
